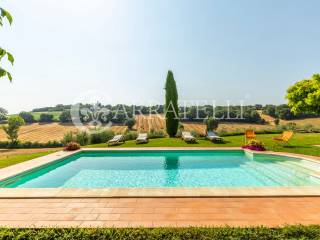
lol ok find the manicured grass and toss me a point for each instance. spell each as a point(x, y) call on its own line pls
point(8, 160)
point(288, 232)
point(300, 143)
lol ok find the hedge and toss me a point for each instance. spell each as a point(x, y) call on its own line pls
point(288, 232)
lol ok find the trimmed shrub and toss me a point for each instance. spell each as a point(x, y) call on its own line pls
point(44, 117)
point(192, 233)
point(50, 144)
point(27, 117)
point(72, 146)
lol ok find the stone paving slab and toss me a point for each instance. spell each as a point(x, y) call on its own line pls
point(159, 212)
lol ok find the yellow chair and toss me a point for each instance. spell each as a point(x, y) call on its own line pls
point(249, 135)
point(285, 137)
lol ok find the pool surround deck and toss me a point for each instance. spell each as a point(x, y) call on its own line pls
point(24, 167)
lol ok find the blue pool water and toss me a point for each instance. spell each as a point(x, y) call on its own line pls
point(146, 169)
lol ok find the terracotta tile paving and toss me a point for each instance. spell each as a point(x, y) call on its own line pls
point(158, 212)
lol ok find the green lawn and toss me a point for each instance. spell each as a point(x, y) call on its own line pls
point(8, 160)
point(301, 143)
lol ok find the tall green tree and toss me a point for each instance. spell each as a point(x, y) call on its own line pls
point(171, 105)
point(4, 14)
point(304, 96)
point(12, 128)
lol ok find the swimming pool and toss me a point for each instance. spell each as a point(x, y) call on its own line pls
point(169, 169)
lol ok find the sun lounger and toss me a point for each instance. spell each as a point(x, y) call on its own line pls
point(249, 135)
point(285, 137)
point(142, 138)
point(116, 140)
point(212, 136)
point(187, 137)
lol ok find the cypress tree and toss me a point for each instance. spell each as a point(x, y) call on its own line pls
point(171, 105)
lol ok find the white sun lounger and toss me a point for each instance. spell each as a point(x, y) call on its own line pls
point(212, 136)
point(187, 137)
point(142, 138)
point(116, 140)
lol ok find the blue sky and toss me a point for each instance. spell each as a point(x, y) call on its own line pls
point(249, 50)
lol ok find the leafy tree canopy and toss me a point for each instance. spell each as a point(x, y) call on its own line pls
point(4, 14)
point(304, 96)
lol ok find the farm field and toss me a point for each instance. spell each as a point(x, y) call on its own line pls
point(145, 123)
point(48, 132)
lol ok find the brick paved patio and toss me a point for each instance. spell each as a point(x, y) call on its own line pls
point(156, 212)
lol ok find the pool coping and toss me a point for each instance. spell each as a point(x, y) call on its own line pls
point(20, 168)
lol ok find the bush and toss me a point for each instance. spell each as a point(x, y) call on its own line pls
point(211, 123)
point(276, 121)
point(130, 122)
point(27, 117)
point(72, 146)
point(83, 138)
point(68, 137)
point(130, 135)
point(255, 145)
point(192, 233)
point(156, 134)
point(44, 117)
point(102, 136)
point(65, 116)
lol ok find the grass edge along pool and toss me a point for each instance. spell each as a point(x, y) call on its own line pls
point(169, 169)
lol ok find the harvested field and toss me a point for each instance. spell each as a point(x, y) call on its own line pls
point(145, 123)
point(48, 132)
point(300, 122)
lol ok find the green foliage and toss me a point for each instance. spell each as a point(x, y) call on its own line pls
point(68, 137)
point(276, 121)
point(44, 117)
point(304, 96)
point(50, 144)
point(156, 134)
point(101, 136)
point(83, 138)
point(171, 105)
point(65, 116)
point(12, 128)
point(4, 14)
point(211, 123)
point(130, 122)
point(130, 135)
point(3, 114)
point(27, 117)
point(213, 233)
